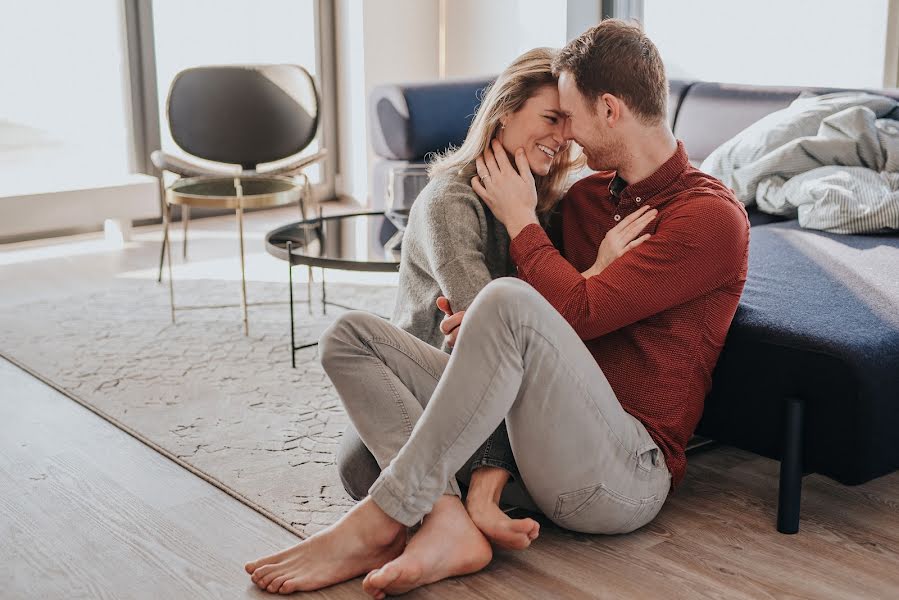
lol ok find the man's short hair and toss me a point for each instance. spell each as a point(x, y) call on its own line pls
point(615, 57)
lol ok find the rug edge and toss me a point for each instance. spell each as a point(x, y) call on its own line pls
point(155, 447)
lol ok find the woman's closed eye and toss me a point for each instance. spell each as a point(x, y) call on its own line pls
point(551, 118)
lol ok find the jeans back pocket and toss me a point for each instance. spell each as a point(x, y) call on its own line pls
point(598, 509)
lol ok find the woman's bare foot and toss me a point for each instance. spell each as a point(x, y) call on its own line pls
point(500, 529)
point(482, 504)
point(363, 539)
point(448, 544)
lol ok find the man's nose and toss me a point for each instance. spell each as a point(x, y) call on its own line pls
point(567, 135)
point(558, 134)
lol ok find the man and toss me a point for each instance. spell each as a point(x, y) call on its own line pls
point(599, 367)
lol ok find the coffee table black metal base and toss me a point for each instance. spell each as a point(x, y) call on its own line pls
point(328, 243)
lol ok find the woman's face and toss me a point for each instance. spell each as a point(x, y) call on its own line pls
point(537, 127)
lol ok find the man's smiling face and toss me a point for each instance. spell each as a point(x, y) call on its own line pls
point(586, 125)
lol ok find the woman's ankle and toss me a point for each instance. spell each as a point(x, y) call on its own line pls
point(486, 485)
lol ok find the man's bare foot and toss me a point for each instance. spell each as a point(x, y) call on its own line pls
point(363, 539)
point(448, 544)
point(482, 504)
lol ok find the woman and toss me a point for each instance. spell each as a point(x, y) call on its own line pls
point(453, 246)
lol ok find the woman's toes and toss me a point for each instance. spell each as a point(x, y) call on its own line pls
point(275, 585)
point(261, 572)
point(268, 579)
point(527, 527)
point(289, 586)
point(250, 567)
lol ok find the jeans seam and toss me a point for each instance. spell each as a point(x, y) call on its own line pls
point(396, 396)
point(388, 342)
point(488, 447)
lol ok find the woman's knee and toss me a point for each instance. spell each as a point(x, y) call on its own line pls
point(356, 466)
point(343, 337)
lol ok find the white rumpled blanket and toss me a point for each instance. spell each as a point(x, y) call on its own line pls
point(832, 161)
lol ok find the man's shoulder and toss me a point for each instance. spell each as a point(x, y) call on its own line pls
point(703, 194)
point(710, 219)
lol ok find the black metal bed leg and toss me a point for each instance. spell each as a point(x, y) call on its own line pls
point(790, 490)
point(293, 345)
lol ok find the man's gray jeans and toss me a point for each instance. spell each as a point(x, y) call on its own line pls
point(584, 461)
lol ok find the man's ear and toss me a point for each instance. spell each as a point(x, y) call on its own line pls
point(610, 108)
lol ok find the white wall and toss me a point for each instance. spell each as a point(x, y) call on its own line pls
point(482, 37)
point(378, 41)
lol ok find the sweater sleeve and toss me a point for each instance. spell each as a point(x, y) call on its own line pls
point(455, 246)
point(697, 248)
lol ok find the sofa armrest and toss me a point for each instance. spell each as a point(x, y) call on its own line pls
point(409, 121)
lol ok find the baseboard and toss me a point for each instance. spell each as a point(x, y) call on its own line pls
point(77, 207)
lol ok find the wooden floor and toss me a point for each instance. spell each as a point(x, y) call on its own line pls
point(86, 511)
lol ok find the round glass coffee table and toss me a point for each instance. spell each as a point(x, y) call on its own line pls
point(228, 193)
point(347, 242)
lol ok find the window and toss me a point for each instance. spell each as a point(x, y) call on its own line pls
point(772, 42)
point(189, 34)
point(64, 111)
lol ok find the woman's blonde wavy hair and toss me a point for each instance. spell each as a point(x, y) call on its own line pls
point(518, 82)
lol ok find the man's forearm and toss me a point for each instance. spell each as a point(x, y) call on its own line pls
point(515, 226)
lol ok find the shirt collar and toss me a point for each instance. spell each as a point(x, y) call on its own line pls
point(658, 181)
point(617, 185)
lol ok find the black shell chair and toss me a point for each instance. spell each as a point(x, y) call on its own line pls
point(246, 122)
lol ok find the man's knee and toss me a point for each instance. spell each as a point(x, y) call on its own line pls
point(356, 466)
point(506, 292)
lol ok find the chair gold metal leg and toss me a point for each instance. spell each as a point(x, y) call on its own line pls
point(309, 288)
point(185, 218)
point(305, 195)
point(324, 298)
point(162, 206)
point(165, 239)
point(243, 272)
point(168, 254)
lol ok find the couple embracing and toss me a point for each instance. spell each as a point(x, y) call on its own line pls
point(577, 371)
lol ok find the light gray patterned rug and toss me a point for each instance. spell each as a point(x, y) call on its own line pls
point(229, 408)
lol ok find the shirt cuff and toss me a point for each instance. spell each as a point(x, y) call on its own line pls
point(528, 239)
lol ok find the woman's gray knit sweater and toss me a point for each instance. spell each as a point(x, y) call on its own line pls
point(453, 246)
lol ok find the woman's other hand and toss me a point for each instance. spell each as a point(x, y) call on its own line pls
point(451, 322)
point(621, 238)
